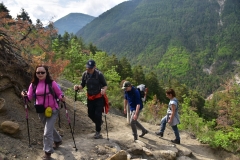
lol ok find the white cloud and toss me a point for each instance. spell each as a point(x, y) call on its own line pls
point(52, 10)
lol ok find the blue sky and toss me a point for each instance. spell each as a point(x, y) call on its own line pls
point(52, 10)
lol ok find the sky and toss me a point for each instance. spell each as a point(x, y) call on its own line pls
point(52, 10)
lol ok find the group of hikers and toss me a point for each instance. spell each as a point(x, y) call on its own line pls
point(46, 91)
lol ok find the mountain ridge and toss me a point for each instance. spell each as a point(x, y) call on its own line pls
point(72, 22)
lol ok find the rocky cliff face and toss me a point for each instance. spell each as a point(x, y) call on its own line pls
point(221, 4)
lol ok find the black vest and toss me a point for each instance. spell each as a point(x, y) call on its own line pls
point(93, 83)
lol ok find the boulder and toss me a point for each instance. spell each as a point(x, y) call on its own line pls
point(10, 127)
point(164, 154)
point(185, 151)
point(121, 155)
point(135, 148)
point(147, 151)
point(184, 158)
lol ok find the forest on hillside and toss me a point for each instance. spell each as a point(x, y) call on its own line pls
point(214, 121)
point(195, 42)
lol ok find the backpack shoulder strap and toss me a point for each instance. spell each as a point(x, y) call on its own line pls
point(51, 90)
point(85, 75)
point(34, 87)
point(97, 73)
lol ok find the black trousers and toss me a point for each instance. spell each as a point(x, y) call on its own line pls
point(95, 108)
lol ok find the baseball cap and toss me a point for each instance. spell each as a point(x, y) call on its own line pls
point(126, 84)
point(90, 64)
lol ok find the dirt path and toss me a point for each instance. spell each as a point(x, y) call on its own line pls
point(88, 147)
point(119, 133)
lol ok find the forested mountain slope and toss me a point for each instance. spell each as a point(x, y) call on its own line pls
point(72, 22)
point(193, 41)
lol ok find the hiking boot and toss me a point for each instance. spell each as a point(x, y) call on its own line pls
point(56, 144)
point(159, 134)
point(143, 133)
point(98, 135)
point(177, 141)
point(47, 156)
point(135, 137)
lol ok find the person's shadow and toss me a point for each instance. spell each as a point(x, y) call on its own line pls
point(66, 153)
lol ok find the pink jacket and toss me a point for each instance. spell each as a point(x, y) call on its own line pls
point(50, 101)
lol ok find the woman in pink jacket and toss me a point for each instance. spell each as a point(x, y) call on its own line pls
point(45, 91)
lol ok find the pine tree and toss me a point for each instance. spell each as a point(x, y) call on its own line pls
point(24, 16)
point(3, 9)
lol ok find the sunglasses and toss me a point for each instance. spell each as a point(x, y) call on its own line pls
point(40, 72)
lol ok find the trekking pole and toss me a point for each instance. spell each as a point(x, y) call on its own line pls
point(70, 125)
point(59, 119)
point(75, 99)
point(59, 116)
point(106, 122)
point(26, 109)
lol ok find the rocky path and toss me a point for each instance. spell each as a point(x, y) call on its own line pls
point(120, 138)
point(149, 147)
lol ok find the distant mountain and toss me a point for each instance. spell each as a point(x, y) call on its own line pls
point(72, 22)
point(195, 42)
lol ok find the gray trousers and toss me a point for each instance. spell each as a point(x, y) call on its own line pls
point(50, 133)
point(135, 124)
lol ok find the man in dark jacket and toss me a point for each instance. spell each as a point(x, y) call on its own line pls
point(132, 97)
point(96, 88)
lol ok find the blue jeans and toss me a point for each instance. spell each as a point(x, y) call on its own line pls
point(163, 126)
